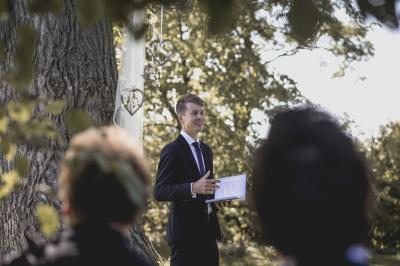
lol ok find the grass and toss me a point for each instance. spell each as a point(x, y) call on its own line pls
point(254, 254)
point(385, 259)
point(246, 254)
point(251, 254)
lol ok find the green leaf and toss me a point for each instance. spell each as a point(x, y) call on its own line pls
point(12, 150)
point(78, 120)
point(89, 11)
point(2, 50)
point(4, 121)
point(38, 131)
point(221, 15)
point(44, 6)
point(48, 219)
point(304, 20)
point(21, 165)
point(4, 10)
point(119, 10)
point(22, 75)
point(8, 181)
point(4, 146)
point(55, 107)
point(20, 112)
point(7, 149)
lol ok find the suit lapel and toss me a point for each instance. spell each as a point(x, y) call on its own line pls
point(206, 157)
point(189, 155)
point(207, 164)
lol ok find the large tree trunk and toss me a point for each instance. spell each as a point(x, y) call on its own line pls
point(72, 63)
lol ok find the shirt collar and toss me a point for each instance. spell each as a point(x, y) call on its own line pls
point(188, 138)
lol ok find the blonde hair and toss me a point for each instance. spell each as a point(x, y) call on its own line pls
point(104, 176)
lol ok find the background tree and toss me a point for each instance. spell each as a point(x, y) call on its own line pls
point(232, 72)
point(383, 11)
point(53, 71)
point(73, 67)
point(383, 153)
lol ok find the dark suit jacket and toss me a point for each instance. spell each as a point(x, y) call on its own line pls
point(188, 218)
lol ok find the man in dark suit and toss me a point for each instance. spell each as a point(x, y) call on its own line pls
point(185, 178)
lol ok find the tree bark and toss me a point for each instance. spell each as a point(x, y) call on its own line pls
point(73, 63)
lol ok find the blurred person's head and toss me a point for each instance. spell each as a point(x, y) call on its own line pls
point(103, 178)
point(310, 187)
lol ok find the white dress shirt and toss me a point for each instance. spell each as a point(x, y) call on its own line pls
point(190, 141)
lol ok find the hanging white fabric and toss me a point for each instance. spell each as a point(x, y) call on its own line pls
point(129, 99)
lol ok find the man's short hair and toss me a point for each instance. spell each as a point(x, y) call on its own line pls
point(310, 185)
point(187, 98)
point(104, 177)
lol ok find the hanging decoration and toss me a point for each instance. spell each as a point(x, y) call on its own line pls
point(128, 112)
point(159, 52)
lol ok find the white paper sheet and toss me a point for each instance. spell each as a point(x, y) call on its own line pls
point(230, 188)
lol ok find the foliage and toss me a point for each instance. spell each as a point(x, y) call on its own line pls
point(9, 181)
point(29, 118)
point(231, 73)
point(383, 11)
point(22, 122)
point(383, 153)
point(48, 219)
point(228, 70)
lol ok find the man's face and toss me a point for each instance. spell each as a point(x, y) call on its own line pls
point(192, 119)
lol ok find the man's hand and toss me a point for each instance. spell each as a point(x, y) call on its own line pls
point(204, 185)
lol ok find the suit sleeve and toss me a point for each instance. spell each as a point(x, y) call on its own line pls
point(166, 188)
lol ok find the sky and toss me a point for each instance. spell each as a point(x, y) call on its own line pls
point(368, 93)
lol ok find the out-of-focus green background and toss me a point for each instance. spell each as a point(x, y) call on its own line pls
point(215, 49)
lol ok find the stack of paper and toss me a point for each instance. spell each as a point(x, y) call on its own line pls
point(230, 188)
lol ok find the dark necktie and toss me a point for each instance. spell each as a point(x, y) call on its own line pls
point(199, 157)
point(202, 172)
